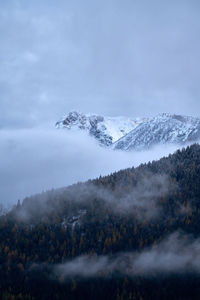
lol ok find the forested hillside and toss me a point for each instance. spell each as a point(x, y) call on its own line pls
point(134, 234)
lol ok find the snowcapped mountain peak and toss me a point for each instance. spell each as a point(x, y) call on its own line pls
point(162, 129)
point(106, 130)
point(134, 133)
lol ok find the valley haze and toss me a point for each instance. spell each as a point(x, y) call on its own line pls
point(38, 159)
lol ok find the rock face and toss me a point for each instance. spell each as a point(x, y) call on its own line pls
point(106, 130)
point(162, 129)
point(122, 133)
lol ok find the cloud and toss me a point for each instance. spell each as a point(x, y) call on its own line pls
point(179, 253)
point(142, 199)
point(35, 160)
point(83, 266)
point(134, 58)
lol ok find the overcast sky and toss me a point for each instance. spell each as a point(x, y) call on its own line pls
point(112, 57)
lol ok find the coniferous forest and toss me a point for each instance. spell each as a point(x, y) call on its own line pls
point(134, 234)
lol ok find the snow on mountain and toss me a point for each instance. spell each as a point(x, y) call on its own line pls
point(162, 129)
point(124, 133)
point(106, 130)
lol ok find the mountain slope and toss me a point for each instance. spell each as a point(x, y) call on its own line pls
point(134, 234)
point(162, 129)
point(106, 130)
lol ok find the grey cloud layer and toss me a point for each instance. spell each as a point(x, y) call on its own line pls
point(132, 58)
point(34, 160)
point(142, 200)
point(179, 253)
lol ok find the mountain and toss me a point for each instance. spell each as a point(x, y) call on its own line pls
point(106, 130)
point(122, 133)
point(134, 234)
point(162, 129)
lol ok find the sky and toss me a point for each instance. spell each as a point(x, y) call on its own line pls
point(111, 57)
point(134, 58)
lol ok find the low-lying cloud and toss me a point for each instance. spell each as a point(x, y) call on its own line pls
point(179, 253)
point(35, 160)
point(142, 199)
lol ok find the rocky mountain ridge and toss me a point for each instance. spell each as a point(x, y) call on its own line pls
point(159, 130)
point(106, 130)
point(123, 133)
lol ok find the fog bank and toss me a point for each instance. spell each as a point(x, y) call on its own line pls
point(35, 160)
